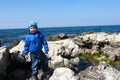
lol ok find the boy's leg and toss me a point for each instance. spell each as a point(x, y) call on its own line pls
point(44, 62)
point(34, 67)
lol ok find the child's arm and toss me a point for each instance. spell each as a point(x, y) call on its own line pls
point(26, 46)
point(46, 49)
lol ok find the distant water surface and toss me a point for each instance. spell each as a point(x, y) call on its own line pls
point(8, 35)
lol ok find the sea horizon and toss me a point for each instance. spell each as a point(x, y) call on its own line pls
point(62, 26)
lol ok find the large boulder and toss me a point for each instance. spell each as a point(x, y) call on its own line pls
point(17, 53)
point(63, 47)
point(4, 61)
point(63, 74)
point(63, 53)
point(108, 43)
point(101, 72)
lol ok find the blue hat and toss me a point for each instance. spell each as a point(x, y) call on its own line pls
point(32, 24)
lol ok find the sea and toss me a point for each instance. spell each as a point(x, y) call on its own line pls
point(7, 36)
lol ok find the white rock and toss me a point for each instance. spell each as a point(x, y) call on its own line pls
point(55, 47)
point(117, 37)
point(111, 74)
point(19, 47)
point(102, 36)
point(56, 61)
point(63, 74)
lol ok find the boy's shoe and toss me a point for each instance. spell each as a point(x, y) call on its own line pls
point(33, 78)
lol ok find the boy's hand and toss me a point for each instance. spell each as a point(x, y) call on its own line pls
point(26, 57)
point(46, 54)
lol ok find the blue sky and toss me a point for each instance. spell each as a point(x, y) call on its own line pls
point(59, 13)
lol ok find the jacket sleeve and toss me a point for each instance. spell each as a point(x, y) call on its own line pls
point(26, 46)
point(45, 44)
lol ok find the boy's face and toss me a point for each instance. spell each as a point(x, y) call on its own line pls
point(33, 29)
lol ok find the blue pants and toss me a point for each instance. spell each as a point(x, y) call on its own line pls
point(35, 59)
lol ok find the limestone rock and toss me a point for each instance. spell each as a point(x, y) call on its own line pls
point(4, 61)
point(101, 72)
point(63, 74)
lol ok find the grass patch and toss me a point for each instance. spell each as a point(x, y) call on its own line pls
point(94, 58)
point(53, 39)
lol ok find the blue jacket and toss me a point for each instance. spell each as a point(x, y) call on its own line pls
point(34, 43)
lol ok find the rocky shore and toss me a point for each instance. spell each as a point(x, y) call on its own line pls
point(69, 59)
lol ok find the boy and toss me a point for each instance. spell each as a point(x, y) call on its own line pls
point(33, 44)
